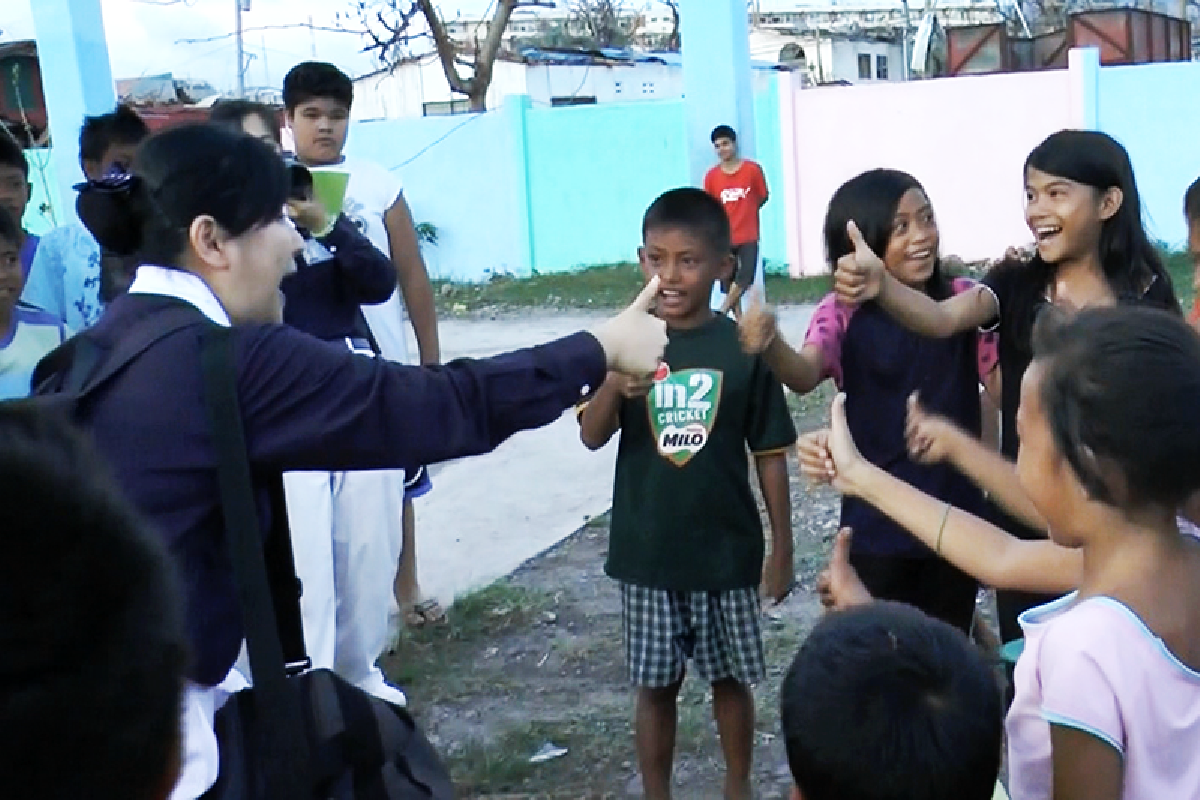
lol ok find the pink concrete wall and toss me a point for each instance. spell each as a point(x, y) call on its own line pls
point(965, 139)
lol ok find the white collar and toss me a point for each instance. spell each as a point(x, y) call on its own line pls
point(181, 285)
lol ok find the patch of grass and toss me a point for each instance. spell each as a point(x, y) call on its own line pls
point(501, 764)
point(431, 657)
point(605, 286)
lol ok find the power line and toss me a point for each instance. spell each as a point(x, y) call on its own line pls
point(255, 28)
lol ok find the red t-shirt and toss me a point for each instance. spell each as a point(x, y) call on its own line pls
point(741, 193)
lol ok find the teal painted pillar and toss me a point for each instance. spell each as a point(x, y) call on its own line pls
point(516, 107)
point(717, 88)
point(77, 81)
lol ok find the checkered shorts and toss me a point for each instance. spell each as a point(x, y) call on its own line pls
point(719, 631)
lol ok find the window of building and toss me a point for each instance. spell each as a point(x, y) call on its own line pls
point(881, 68)
point(864, 66)
point(572, 101)
point(445, 108)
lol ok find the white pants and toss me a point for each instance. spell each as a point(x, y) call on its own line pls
point(201, 761)
point(346, 537)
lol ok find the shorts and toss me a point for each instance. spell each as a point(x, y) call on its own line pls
point(718, 631)
point(416, 483)
point(745, 264)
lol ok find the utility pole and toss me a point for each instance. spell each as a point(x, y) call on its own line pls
point(312, 37)
point(904, 72)
point(241, 66)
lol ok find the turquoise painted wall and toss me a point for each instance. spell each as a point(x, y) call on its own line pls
point(773, 237)
point(1152, 110)
point(459, 174)
point(43, 211)
point(592, 172)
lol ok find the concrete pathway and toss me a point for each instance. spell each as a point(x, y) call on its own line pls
point(489, 514)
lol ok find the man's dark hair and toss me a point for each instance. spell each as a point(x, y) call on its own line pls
point(1191, 203)
point(93, 658)
point(723, 132)
point(692, 210)
point(121, 126)
point(884, 702)
point(11, 154)
point(10, 229)
point(231, 113)
point(316, 79)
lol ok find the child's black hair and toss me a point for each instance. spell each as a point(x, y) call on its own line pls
point(1119, 394)
point(10, 229)
point(99, 133)
point(723, 132)
point(11, 154)
point(870, 200)
point(93, 661)
point(692, 210)
point(1191, 203)
point(316, 79)
point(231, 113)
point(1129, 259)
point(178, 175)
point(884, 702)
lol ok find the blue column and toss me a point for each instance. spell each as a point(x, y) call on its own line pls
point(716, 77)
point(516, 107)
point(717, 86)
point(77, 81)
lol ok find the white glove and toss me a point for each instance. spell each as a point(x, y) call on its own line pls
point(634, 340)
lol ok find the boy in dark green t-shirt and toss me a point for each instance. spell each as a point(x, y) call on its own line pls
point(687, 544)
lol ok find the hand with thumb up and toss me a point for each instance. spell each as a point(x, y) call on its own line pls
point(858, 276)
point(831, 456)
point(635, 339)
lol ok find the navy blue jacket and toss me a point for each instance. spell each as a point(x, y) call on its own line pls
point(323, 299)
point(306, 405)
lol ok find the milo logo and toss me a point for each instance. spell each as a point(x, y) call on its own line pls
point(683, 406)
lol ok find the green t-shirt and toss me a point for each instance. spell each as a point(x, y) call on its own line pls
point(684, 517)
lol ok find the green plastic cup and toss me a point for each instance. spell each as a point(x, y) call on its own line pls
point(329, 189)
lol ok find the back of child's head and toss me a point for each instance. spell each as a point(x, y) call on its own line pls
point(12, 155)
point(94, 655)
point(870, 200)
point(122, 126)
point(1128, 257)
point(10, 229)
point(885, 703)
point(231, 114)
point(316, 80)
point(692, 210)
point(1119, 395)
point(1191, 203)
point(723, 132)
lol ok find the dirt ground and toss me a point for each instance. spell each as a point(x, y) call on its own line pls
point(536, 659)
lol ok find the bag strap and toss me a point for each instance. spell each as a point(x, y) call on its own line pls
point(83, 365)
point(281, 740)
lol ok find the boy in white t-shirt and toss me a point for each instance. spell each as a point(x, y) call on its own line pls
point(375, 527)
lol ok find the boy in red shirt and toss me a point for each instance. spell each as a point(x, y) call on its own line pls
point(741, 187)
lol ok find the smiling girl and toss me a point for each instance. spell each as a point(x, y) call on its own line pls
point(878, 363)
point(1083, 208)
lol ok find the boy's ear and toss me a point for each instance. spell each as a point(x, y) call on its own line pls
point(644, 264)
point(796, 793)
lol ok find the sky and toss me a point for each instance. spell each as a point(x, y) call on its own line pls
point(147, 37)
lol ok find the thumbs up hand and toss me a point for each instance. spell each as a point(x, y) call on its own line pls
point(858, 276)
point(635, 339)
point(831, 456)
point(838, 585)
point(758, 327)
point(930, 437)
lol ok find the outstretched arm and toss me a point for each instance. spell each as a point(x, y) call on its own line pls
point(980, 549)
point(933, 439)
point(861, 276)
